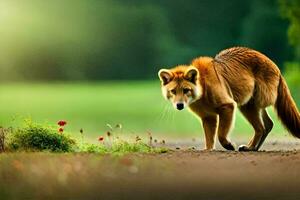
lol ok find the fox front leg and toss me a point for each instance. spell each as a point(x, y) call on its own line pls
point(226, 118)
point(209, 124)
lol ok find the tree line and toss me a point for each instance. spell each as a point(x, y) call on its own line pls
point(132, 39)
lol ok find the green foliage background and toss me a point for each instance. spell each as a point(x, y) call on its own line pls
point(290, 9)
point(132, 39)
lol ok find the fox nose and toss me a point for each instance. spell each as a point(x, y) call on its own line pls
point(179, 106)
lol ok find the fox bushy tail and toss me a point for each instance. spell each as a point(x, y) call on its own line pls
point(287, 110)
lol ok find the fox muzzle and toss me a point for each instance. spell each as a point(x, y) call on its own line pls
point(179, 106)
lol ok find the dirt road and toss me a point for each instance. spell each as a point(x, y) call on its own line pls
point(176, 175)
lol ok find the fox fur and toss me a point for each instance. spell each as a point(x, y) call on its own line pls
point(237, 77)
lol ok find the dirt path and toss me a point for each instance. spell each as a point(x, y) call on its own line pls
point(176, 175)
point(272, 144)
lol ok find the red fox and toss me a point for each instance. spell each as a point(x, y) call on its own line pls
point(240, 77)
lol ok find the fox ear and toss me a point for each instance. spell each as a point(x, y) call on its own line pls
point(165, 76)
point(192, 74)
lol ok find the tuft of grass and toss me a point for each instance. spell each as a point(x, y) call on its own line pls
point(92, 148)
point(141, 147)
point(121, 147)
point(36, 137)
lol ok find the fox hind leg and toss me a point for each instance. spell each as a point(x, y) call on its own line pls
point(268, 123)
point(256, 117)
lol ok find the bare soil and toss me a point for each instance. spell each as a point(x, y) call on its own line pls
point(273, 173)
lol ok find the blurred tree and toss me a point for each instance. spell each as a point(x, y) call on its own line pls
point(290, 9)
point(198, 27)
point(206, 26)
point(134, 43)
point(129, 39)
point(263, 29)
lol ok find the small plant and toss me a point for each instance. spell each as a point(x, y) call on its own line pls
point(150, 138)
point(2, 139)
point(81, 134)
point(36, 137)
point(114, 131)
point(3, 134)
point(137, 138)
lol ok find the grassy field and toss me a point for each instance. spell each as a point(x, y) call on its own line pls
point(138, 106)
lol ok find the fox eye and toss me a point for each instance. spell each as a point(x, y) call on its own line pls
point(173, 91)
point(186, 90)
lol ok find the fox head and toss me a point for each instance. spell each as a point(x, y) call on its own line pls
point(180, 85)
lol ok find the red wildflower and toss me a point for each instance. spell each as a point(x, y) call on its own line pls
point(101, 138)
point(61, 123)
point(60, 130)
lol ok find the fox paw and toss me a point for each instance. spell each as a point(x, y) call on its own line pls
point(246, 148)
point(229, 146)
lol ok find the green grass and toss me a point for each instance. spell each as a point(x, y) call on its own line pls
point(138, 106)
point(120, 148)
point(34, 137)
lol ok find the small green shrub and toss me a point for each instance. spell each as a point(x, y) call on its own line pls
point(35, 137)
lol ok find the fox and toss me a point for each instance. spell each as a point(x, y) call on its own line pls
point(237, 77)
